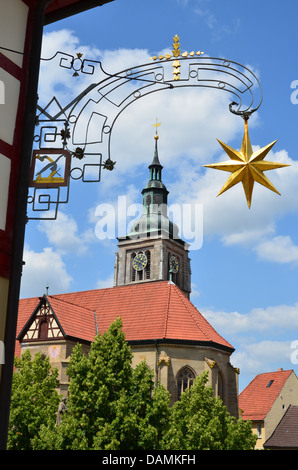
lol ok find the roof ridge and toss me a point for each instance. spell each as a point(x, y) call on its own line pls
point(67, 302)
point(167, 311)
point(262, 374)
point(186, 304)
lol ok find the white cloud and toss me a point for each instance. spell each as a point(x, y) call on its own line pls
point(279, 249)
point(42, 269)
point(262, 338)
point(217, 28)
point(105, 283)
point(55, 79)
point(228, 217)
point(269, 320)
point(257, 358)
point(63, 234)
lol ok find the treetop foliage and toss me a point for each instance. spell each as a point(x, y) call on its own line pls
point(113, 406)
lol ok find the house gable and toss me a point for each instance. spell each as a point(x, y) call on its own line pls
point(42, 324)
point(257, 399)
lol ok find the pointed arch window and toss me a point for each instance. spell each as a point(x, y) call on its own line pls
point(133, 272)
point(185, 380)
point(174, 276)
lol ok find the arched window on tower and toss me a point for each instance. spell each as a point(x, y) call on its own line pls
point(185, 379)
point(173, 268)
point(133, 272)
point(148, 265)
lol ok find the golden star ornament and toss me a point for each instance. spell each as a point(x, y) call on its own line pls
point(247, 166)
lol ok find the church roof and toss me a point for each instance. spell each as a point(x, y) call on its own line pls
point(149, 311)
point(257, 399)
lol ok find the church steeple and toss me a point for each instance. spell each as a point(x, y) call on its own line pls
point(153, 250)
point(155, 167)
point(154, 220)
point(155, 194)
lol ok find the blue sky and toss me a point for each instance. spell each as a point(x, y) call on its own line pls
point(244, 276)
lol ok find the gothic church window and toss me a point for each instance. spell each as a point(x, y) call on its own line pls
point(185, 380)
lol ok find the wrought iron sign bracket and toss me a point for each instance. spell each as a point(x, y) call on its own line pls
point(74, 141)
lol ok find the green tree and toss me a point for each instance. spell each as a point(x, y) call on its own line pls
point(110, 405)
point(200, 421)
point(34, 399)
point(113, 406)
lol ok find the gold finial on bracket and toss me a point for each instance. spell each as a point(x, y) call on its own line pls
point(176, 44)
point(175, 54)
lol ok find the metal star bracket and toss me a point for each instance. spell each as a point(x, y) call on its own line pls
point(247, 166)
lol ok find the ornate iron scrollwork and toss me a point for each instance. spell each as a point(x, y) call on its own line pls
point(70, 128)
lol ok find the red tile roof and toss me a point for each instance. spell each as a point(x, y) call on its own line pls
point(257, 398)
point(75, 320)
point(26, 308)
point(149, 311)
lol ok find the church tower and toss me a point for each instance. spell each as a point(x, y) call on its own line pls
point(153, 250)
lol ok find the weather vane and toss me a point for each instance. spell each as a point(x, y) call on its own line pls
point(156, 125)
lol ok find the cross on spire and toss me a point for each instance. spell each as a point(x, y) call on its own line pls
point(156, 125)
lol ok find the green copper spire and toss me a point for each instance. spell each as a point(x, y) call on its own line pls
point(155, 167)
point(155, 220)
point(155, 191)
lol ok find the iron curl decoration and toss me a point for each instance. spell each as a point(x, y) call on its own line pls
point(84, 126)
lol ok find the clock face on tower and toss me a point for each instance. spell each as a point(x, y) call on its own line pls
point(139, 262)
point(174, 264)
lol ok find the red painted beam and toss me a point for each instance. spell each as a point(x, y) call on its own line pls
point(59, 9)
